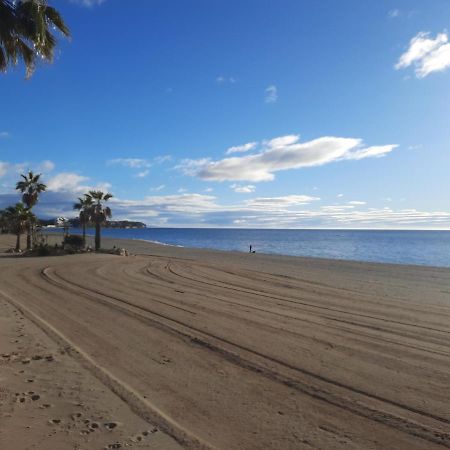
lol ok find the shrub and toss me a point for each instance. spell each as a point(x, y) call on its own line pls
point(43, 250)
point(73, 241)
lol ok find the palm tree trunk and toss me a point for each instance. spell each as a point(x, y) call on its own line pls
point(17, 242)
point(84, 233)
point(29, 236)
point(97, 236)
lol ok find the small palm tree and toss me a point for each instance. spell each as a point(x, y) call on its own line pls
point(17, 218)
point(30, 187)
point(98, 212)
point(26, 32)
point(83, 205)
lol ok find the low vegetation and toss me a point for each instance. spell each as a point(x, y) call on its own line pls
point(19, 219)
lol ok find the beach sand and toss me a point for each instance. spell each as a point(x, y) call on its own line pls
point(184, 348)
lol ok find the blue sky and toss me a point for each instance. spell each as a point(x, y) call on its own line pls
point(249, 113)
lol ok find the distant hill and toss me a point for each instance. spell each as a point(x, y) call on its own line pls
point(75, 223)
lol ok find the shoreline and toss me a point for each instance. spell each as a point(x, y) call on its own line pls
point(130, 244)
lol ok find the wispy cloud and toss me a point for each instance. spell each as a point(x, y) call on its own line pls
point(428, 55)
point(242, 148)
point(271, 94)
point(356, 203)
point(134, 163)
point(282, 153)
point(4, 135)
point(393, 13)
point(246, 189)
point(283, 202)
point(88, 3)
point(225, 80)
point(142, 165)
point(158, 188)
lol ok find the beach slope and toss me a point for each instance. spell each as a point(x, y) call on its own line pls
point(223, 350)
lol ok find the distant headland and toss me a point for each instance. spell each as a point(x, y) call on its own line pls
point(75, 223)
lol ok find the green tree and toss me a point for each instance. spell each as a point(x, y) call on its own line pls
point(17, 218)
point(26, 32)
point(98, 212)
point(83, 205)
point(31, 188)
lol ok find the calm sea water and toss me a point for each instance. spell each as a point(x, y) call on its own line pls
point(402, 247)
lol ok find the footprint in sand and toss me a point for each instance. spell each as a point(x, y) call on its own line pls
point(111, 425)
point(22, 397)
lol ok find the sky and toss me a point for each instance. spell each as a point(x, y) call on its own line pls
point(240, 113)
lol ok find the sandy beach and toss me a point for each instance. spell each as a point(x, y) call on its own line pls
point(175, 348)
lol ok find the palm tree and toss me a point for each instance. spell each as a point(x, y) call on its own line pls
point(98, 212)
point(30, 187)
point(17, 218)
point(26, 32)
point(83, 205)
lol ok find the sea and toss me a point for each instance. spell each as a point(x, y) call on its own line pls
point(430, 248)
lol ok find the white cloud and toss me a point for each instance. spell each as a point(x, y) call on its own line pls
point(224, 80)
point(140, 164)
point(133, 163)
point(393, 13)
point(428, 55)
point(159, 188)
point(66, 181)
point(46, 166)
point(278, 154)
point(12, 169)
point(281, 202)
point(339, 195)
point(371, 152)
point(4, 134)
point(88, 3)
point(271, 94)
point(143, 173)
point(242, 148)
point(248, 189)
point(4, 166)
point(73, 183)
point(290, 211)
point(356, 202)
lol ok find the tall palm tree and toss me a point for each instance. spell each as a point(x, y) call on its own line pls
point(83, 205)
point(30, 187)
point(17, 218)
point(98, 212)
point(26, 32)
